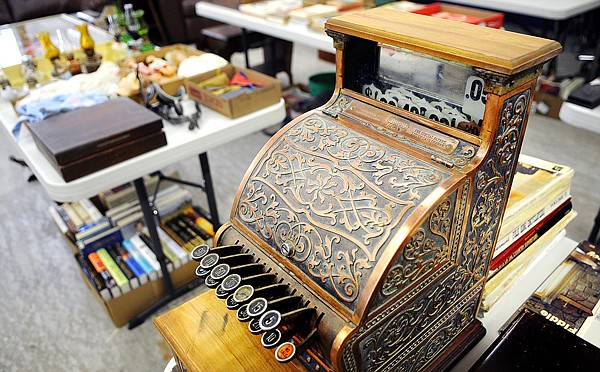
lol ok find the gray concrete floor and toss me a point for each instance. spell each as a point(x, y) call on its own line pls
point(49, 320)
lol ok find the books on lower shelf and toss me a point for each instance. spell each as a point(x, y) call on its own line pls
point(114, 250)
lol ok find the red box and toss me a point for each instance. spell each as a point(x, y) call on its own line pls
point(462, 14)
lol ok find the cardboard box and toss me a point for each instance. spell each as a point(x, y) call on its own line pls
point(169, 84)
point(267, 95)
point(123, 308)
point(463, 14)
point(547, 104)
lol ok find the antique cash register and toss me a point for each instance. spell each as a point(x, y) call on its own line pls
point(360, 237)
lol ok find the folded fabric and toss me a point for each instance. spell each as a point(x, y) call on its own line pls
point(44, 108)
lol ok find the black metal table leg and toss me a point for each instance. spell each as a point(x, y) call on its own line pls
point(142, 195)
point(210, 192)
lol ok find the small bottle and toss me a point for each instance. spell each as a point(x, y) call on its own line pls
point(131, 22)
point(74, 65)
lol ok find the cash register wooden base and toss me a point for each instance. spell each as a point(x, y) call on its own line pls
point(205, 337)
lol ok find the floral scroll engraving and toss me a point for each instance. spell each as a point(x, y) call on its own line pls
point(401, 336)
point(335, 197)
point(427, 248)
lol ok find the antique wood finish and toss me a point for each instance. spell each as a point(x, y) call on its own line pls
point(382, 219)
point(490, 49)
point(192, 330)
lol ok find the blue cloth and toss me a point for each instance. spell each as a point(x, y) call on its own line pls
point(44, 108)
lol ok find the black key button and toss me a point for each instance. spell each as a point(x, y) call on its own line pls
point(202, 272)
point(271, 338)
point(257, 307)
point(254, 326)
point(242, 313)
point(270, 320)
point(231, 282)
point(208, 261)
point(199, 252)
point(220, 271)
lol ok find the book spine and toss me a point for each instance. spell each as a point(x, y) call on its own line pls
point(139, 258)
point(62, 225)
point(65, 217)
point(146, 252)
point(73, 216)
point(81, 212)
point(181, 254)
point(116, 256)
point(91, 273)
point(101, 269)
point(518, 231)
point(91, 209)
point(172, 259)
point(112, 267)
point(130, 261)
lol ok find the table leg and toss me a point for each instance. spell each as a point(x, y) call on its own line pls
point(172, 293)
point(210, 192)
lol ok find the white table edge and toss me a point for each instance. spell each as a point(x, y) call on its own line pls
point(296, 34)
point(215, 129)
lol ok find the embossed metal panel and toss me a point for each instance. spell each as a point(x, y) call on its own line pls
point(328, 199)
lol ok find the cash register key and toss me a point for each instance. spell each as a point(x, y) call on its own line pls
point(202, 272)
point(208, 261)
point(210, 282)
point(257, 306)
point(230, 302)
point(220, 271)
point(199, 252)
point(271, 338)
point(242, 314)
point(243, 293)
point(231, 282)
point(254, 326)
point(285, 352)
point(270, 320)
point(220, 292)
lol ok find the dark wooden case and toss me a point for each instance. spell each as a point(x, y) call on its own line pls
point(83, 141)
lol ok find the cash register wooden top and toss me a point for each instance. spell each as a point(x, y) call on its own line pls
point(206, 336)
point(488, 48)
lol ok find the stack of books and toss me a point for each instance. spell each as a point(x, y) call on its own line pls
point(538, 210)
point(115, 251)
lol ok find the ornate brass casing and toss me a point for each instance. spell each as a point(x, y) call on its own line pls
point(383, 206)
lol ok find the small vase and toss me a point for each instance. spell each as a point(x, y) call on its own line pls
point(50, 50)
point(86, 42)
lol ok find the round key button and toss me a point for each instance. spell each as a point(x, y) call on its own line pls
point(220, 271)
point(199, 252)
point(285, 352)
point(231, 303)
point(254, 326)
point(231, 282)
point(270, 338)
point(202, 272)
point(270, 320)
point(257, 307)
point(242, 313)
point(210, 260)
point(210, 282)
point(243, 293)
point(220, 292)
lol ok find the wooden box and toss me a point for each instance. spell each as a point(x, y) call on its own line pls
point(266, 95)
point(83, 141)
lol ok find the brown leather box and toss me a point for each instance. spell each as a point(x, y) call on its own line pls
point(83, 141)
